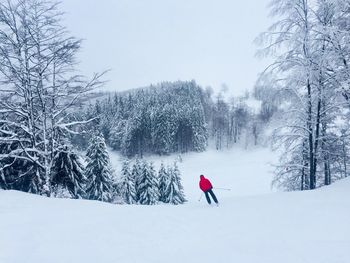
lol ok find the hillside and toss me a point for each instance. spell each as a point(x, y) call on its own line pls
point(251, 224)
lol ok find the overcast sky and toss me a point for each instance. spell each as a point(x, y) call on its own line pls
point(149, 41)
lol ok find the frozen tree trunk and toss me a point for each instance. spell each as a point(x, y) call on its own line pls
point(312, 172)
point(304, 181)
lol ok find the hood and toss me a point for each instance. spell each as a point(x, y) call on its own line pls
point(202, 177)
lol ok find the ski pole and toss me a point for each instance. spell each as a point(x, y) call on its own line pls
point(219, 188)
point(200, 197)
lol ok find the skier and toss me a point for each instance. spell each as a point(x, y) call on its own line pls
point(206, 186)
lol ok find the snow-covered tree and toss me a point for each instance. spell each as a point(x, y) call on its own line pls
point(148, 187)
point(163, 130)
point(174, 193)
point(163, 178)
point(38, 89)
point(308, 69)
point(136, 173)
point(98, 171)
point(127, 185)
point(68, 172)
point(220, 122)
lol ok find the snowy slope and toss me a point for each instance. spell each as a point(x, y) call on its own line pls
point(266, 227)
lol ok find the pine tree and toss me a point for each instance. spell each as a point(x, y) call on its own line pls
point(136, 173)
point(162, 132)
point(127, 185)
point(148, 188)
point(174, 193)
point(163, 182)
point(67, 172)
point(98, 171)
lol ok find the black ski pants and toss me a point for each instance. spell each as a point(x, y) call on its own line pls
point(212, 195)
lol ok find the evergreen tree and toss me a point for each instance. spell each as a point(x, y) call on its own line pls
point(67, 172)
point(136, 173)
point(163, 130)
point(148, 188)
point(98, 171)
point(163, 182)
point(127, 185)
point(174, 193)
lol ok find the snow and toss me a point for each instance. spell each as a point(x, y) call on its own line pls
point(252, 224)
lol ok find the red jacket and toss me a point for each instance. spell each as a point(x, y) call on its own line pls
point(204, 184)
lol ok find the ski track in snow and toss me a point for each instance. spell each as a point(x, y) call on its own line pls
point(252, 223)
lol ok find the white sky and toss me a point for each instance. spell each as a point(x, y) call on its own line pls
point(149, 41)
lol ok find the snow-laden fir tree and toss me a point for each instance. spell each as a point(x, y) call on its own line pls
point(174, 193)
point(98, 171)
point(163, 131)
point(136, 173)
point(148, 188)
point(67, 172)
point(163, 179)
point(127, 185)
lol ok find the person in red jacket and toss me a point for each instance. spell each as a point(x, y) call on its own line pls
point(206, 186)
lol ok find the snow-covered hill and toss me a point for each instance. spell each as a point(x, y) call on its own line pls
point(259, 226)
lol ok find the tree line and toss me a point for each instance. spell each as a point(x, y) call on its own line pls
point(141, 184)
point(174, 117)
point(96, 180)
